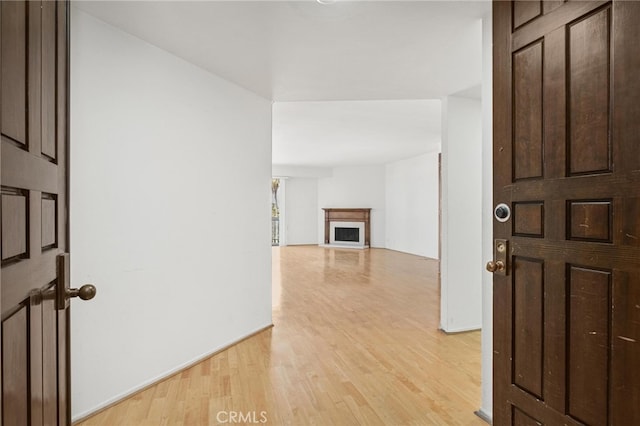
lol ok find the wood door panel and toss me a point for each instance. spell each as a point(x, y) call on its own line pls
point(551, 5)
point(49, 221)
point(62, 93)
point(63, 394)
point(49, 80)
point(49, 360)
point(630, 225)
point(579, 187)
point(14, 70)
point(527, 145)
point(33, 213)
point(590, 220)
point(34, 77)
point(588, 342)
point(588, 68)
point(16, 167)
point(599, 256)
point(36, 394)
point(525, 11)
point(15, 380)
point(626, 88)
point(625, 350)
point(13, 275)
point(528, 319)
point(554, 102)
point(567, 160)
point(528, 219)
point(568, 12)
point(520, 418)
point(15, 225)
point(554, 343)
point(535, 408)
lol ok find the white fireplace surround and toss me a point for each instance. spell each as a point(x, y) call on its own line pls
point(340, 224)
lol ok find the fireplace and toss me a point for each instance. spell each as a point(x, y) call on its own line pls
point(346, 227)
point(348, 235)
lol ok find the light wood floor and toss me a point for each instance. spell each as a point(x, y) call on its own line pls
point(355, 342)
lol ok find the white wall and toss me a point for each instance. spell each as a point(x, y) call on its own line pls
point(170, 178)
point(362, 186)
point(412, 197)
point(300, 171)
point(487, 215)
point(302, 211)
point(461, 256)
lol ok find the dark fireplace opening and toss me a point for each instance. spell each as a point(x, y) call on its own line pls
point(347, 234)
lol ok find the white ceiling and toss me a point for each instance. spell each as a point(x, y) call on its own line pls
point(351, 133)
point(301, 51)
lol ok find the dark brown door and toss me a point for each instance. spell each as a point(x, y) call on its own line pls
point(567, 164)
point(34, 211)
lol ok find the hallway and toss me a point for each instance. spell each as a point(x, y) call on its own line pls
point(354, 342)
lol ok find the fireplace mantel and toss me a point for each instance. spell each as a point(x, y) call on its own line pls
point(347, 215)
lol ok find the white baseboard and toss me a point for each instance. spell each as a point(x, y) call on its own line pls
point(461, 330)
point(484, 416)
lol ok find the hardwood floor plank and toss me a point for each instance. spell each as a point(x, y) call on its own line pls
point(355, 342)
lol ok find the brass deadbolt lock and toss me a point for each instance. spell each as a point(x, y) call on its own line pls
point(500, 263)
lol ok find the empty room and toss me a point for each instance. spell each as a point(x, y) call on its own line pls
point(320, 212)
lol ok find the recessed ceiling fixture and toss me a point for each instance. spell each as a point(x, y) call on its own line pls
point(326, 1)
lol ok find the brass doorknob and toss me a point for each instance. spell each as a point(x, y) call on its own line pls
point(86, 292)
point(495, 266)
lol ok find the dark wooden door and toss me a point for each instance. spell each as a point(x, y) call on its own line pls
point(567, 163)
point(34, 217)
